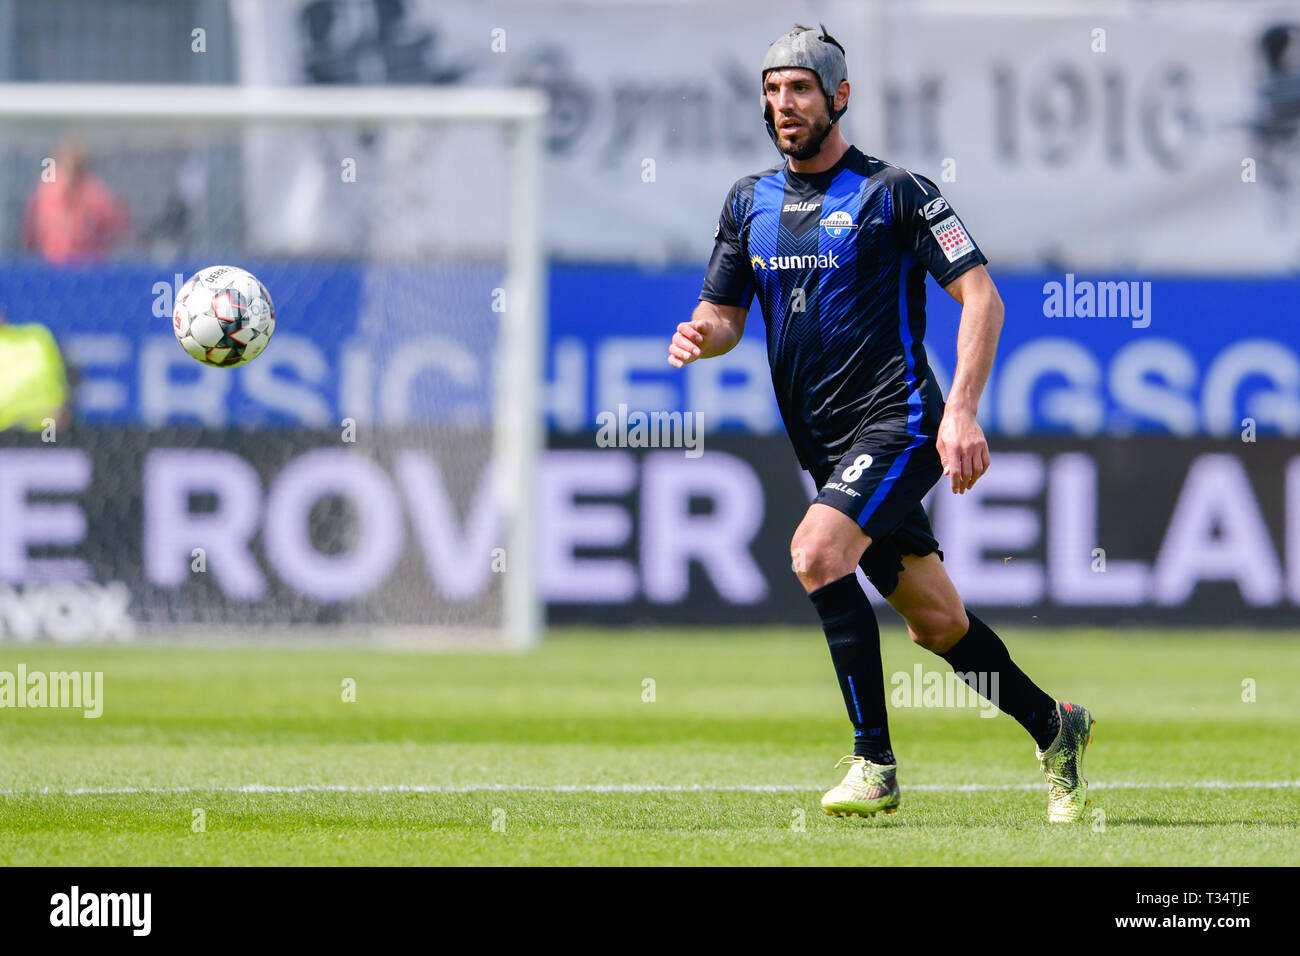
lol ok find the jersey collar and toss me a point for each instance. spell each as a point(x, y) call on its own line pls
point(826, 175)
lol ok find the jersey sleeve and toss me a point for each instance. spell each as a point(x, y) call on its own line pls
point(729, 280)
point(929, 227)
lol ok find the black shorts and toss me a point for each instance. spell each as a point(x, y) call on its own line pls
point(879, 483)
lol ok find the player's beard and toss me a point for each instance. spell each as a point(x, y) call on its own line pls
point(818, 129)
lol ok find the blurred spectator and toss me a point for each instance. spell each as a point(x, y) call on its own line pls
point(172, 232)
point(73, 216)
point(34, 384)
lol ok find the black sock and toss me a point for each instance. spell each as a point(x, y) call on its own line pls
point(981, 653)
point(854, 639)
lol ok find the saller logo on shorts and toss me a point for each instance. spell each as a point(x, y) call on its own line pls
point(855, 470)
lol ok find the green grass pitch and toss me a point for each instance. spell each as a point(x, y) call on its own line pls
point(556, 757)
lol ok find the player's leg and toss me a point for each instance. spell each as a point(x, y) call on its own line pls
point(872, 487)
point(866, 495)
point(824, 553)
point(938, 621)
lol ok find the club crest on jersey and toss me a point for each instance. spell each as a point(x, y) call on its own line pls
point(838, 223)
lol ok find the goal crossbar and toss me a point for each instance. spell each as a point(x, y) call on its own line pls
point(209, 104)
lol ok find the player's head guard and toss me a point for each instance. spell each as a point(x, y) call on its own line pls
point(803, 49)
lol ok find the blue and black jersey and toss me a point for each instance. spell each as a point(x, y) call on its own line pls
point(838, 260)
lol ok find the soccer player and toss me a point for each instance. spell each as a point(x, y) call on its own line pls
point(837, 244)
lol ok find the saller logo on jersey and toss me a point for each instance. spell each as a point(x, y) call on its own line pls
point(800, 206)
point(934, 207)
point(838, 223)
point(952, 238)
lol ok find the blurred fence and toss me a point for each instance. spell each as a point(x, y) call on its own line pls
point(113, 41)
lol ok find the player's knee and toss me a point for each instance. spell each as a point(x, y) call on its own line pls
point(817, 562)
point(938, 629)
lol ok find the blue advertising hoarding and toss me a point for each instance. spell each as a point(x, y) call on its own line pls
point(1082, 355)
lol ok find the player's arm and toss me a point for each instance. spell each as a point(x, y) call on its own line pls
point(718, 321)
point(713, 329)
point(961, 443)
point(930, 228)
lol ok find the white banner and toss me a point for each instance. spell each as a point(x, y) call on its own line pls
point(1159, 136)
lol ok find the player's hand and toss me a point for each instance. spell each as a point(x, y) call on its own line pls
point(962, 449)
point(689, 342)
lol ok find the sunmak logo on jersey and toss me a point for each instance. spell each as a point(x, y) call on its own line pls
point(826, 260)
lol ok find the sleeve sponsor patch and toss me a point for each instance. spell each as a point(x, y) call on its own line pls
point(952, 238)
point(934, 207)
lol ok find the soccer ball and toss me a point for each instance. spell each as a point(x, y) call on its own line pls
point(223, 316)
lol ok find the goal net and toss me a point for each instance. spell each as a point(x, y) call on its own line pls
point(370, 475)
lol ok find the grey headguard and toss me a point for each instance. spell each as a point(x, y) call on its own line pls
point(807, 50)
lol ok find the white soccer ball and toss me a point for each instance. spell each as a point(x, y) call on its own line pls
point(223, 316)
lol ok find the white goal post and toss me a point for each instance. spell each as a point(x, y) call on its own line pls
point(518, 436)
